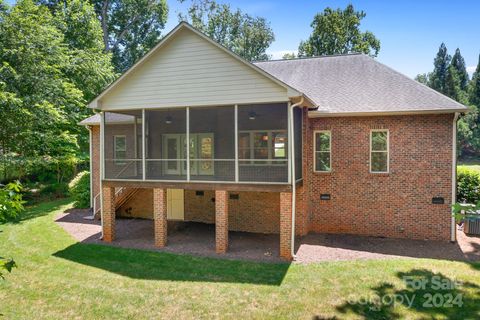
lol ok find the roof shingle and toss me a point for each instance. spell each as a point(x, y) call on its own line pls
point(357, 83)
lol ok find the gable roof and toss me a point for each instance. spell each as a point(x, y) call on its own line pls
point(290, 91)
point(337, 85)
point(356, 83)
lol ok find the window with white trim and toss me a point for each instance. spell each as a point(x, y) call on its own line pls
point(262, 147)
point(119, 149)
point(379, 151)
point(322, 152)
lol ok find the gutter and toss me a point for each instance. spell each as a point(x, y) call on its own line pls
point(453, 235)
point(292, 173)
point(323, 114)
point(101, 169)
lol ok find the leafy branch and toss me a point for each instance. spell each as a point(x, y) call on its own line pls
point(462, 211)
point(6, 265)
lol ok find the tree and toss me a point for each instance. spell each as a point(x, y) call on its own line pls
point(474, 90)
point(338, 32)
point(453, 85)
point(50, 65)
point(289, 55)
point(34, 59)
point(247, 36)
point(130, 27)
point(459, 64)
point(91, 68)
point(439, 74)
point(423, 78)
point(469, 124)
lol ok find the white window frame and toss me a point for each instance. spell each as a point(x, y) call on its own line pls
point(387, 151)
point(270, 161)
point(119, 161)
point(329, 132)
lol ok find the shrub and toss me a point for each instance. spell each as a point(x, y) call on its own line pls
point(79, 189)
point(54, 191)
point(468, 185)
point(11, 203)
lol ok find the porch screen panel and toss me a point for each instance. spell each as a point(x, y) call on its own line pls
point(212, 143)
point(263, 143)
point(165, 144)
point(123, 145)
point(297, 129)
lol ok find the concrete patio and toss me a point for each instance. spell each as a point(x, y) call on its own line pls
point(199, 239)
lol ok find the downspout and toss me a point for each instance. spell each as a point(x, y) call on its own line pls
point(453, 236)
point(292, 173)
point(101, 165)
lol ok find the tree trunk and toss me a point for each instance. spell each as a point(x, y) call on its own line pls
point(104, 22)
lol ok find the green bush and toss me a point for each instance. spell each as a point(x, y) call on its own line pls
point(54, 191)
point(468, 185)
point(11, 203)
point(79, 189)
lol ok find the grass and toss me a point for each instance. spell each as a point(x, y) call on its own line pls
point(471, 163)
point(58, 278)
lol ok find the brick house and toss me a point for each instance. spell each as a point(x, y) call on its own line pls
point(336, 144)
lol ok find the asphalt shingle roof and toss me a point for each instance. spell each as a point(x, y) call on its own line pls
point(357, 83)
point(111, 117)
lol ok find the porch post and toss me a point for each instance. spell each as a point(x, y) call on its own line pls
point(160, 216)
point(221, 221)
point(108, 217)
point(286, 225)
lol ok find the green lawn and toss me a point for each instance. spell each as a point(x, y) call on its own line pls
point(470, 163)
point(58, 278)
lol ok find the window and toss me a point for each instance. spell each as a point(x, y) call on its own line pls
point(119, 149)
point(263, 147)
point(379, 157)
point(323, 158)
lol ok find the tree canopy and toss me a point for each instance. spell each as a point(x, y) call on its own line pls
point(247, 36)
point(458, 63)
point(129, 27)
point(49, 67)
point(450, 77)
point(337, 31)
point(440, 69)
point(474, 90)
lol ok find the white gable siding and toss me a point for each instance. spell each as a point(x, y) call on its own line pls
point(190, 71)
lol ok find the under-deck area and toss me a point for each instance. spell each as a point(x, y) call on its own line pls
point(222, 208)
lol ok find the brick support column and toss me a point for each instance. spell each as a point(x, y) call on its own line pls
point(160, 216)
point(286, 225)
point(108, 222)
point(221, 221)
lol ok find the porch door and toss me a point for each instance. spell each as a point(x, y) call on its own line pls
point(175, 204)
point(172, 150)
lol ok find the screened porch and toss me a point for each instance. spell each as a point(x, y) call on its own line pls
point(225, 144)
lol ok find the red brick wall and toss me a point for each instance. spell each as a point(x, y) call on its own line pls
point(255, 212)
point(397, 204)
point(251, 212)
point(286, 225)
point(108, 214)
point(221, 221)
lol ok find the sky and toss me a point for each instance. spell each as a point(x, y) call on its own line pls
point(410, 31)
